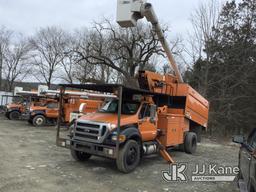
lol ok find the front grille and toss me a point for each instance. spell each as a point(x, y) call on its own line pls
point(90, 131)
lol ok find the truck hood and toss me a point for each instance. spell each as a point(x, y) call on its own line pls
point(13, 105)
point(37, 108)
point(110, 118)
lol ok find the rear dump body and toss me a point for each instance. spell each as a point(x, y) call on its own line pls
point(183, 99)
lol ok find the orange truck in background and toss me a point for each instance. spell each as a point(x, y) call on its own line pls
point(14, 110)
point(19, 107)
point(73, 105)
point(48, 111)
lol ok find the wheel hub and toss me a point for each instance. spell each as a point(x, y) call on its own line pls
point(39, 121)
point(131, 156)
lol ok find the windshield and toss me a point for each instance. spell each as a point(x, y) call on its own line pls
point(128, 107)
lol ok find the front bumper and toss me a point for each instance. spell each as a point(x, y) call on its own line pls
point(87, 147)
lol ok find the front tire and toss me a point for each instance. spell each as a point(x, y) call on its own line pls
point(129, 156)
point(80, 156)
point(14, 115)
point(190, 143)
point(39, 120)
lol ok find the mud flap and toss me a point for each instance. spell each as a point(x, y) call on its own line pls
point(164, 153)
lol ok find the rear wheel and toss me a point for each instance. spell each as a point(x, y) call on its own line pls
point(129, 156)
point(80, 156)
point(190, 143)
point(14, 115)
point(39, 120)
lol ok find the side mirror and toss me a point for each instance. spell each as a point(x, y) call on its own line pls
point(239, 139)
point(153, 113)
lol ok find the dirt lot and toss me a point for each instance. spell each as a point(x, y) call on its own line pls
point(30, 161)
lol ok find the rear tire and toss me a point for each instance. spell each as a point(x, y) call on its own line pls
point(80, 156)
point(129, 156)
point(39, 120)
point(14, 115)
point(190, 143)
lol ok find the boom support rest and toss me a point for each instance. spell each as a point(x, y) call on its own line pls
point(164, 153)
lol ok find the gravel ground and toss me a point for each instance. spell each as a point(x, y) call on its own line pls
point(30, 161)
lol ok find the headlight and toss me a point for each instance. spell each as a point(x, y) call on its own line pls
point(122, 138)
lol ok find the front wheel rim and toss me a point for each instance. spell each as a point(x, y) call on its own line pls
point(131, 156)
point(39, 121)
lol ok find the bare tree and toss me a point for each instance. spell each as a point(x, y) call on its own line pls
point(5, 36)
point(203, 20)
point(48, 44)
point(123, 50)
point(16, 62)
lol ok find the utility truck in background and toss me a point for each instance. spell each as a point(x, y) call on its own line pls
point(74, 105)
point(163, 113)
point(23, 100)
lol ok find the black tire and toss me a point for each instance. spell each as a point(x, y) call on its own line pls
point(39, 120)
point(129, 156)
point(14, 115)
point(80, 156)
point(190, 143)
point(7, 116)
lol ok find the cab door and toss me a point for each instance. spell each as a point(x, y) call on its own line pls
point(52, 110)
point(147, 123)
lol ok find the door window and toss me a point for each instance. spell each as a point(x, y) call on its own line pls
point(52, 105)
point(145, 111)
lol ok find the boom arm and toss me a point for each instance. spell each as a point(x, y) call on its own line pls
point(43, 90)
point(129, 11)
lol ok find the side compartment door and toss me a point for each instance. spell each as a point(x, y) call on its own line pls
point(147, 127)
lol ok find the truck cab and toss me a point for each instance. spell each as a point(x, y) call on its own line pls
point(46, 108)
point(134, 115)
point(96, 133)
point(14, 110)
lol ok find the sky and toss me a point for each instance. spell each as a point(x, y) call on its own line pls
point(27, 16)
